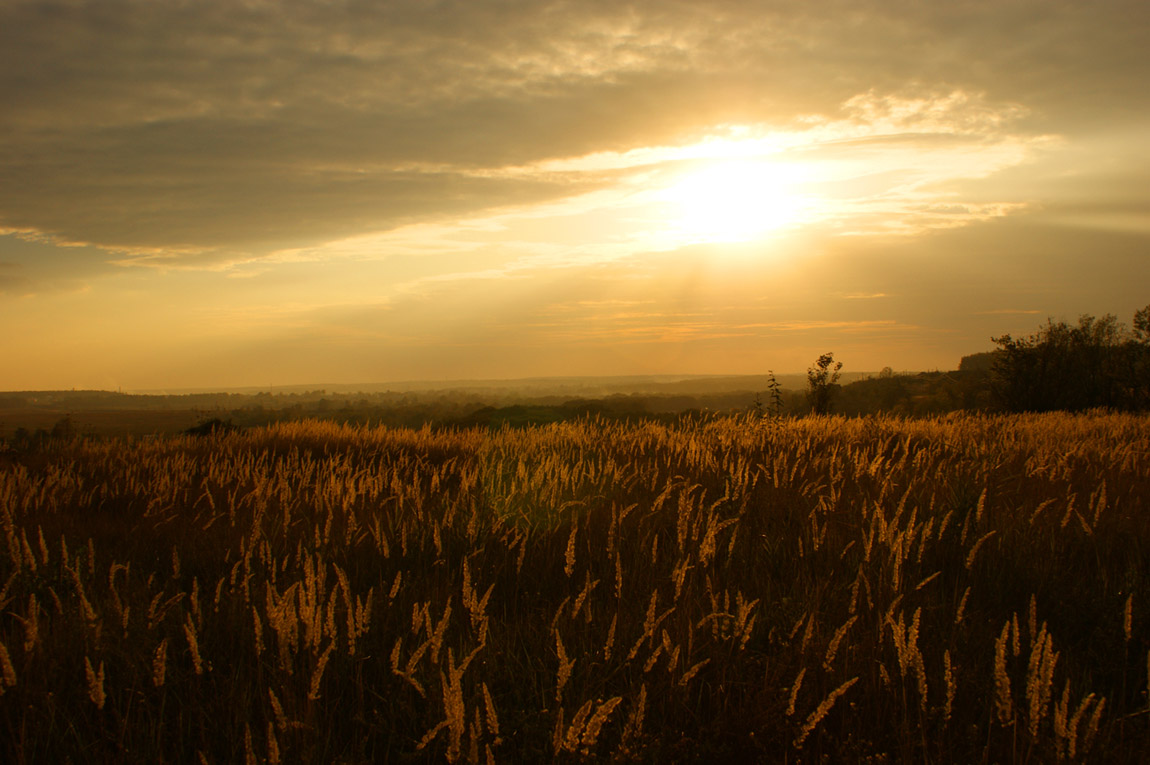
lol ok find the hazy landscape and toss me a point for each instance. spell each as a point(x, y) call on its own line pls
point(633, 381)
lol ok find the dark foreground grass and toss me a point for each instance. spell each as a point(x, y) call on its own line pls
point(956, 590)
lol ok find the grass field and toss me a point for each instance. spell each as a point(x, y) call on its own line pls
point(962, 589)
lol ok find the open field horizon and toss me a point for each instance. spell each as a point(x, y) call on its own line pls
point(550, 385)
point(37, 414)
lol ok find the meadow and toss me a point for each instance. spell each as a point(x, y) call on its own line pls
point(965, 588)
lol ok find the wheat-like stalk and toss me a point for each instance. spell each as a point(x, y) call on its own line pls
point(492, 718)
point(569, 742)
point(1016, 640)
point(95, 680)
point(795, 691)
point(193, 645)
point(440, 631)
point(977, 546)
point(1061, 720)
point(317, 674)
point(32, 624)
point(160, 663)
point(43, 546)
point(456, 712)
point(948, 679)
point(7, 671)
point(1072, 726)
point(634, 726)
point(821, 711)
point(273, 745)
point(258, 631)
point(249, 750)
point(278, 711)
point(591, 731)
point(961, 606)
point(654, 657)
point(1003, 703)
point(609, 645)
point(569, 556)
point(1092, 726)
point(564, 671)
point(694, 670)
point(833, 647)
point(588, 587)
point(1039, 679)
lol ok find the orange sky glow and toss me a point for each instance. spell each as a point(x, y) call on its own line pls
point(221, 194)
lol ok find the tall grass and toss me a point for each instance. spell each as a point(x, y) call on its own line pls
point(968, 588)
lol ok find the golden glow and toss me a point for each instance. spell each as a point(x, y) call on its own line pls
point(734, 200)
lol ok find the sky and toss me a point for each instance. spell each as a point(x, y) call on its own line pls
point(223, 193)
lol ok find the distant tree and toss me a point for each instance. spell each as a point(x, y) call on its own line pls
point(1142, 325)
point(776, 394)
point(63, 430)
point(1098, 363)
point(22, 439)
point(1140, 371)
point(822, 383)
point(978, 362)
point(212, 427)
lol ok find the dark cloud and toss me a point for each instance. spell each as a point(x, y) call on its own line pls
point(254, 125)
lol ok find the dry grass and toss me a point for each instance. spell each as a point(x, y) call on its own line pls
point(799, 590)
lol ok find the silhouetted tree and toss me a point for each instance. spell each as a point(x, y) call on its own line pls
point(822, 383)
point(776, 394)
point(1097, 363)
point(1142, 325)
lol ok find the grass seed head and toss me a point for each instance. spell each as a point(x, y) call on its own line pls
point(95, 678)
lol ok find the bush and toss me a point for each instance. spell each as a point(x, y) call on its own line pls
point(1097, 363)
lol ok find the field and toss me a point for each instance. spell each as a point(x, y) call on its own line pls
point(960, 589)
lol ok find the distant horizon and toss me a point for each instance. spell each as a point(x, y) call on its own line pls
point(402, 386)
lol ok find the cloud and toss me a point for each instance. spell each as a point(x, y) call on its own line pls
point(220, 131)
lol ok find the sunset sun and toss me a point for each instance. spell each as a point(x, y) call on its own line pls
point(734, 200)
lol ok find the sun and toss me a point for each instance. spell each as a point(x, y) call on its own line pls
point(733, 200)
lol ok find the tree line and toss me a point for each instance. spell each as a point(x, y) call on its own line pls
point(1096, 363)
